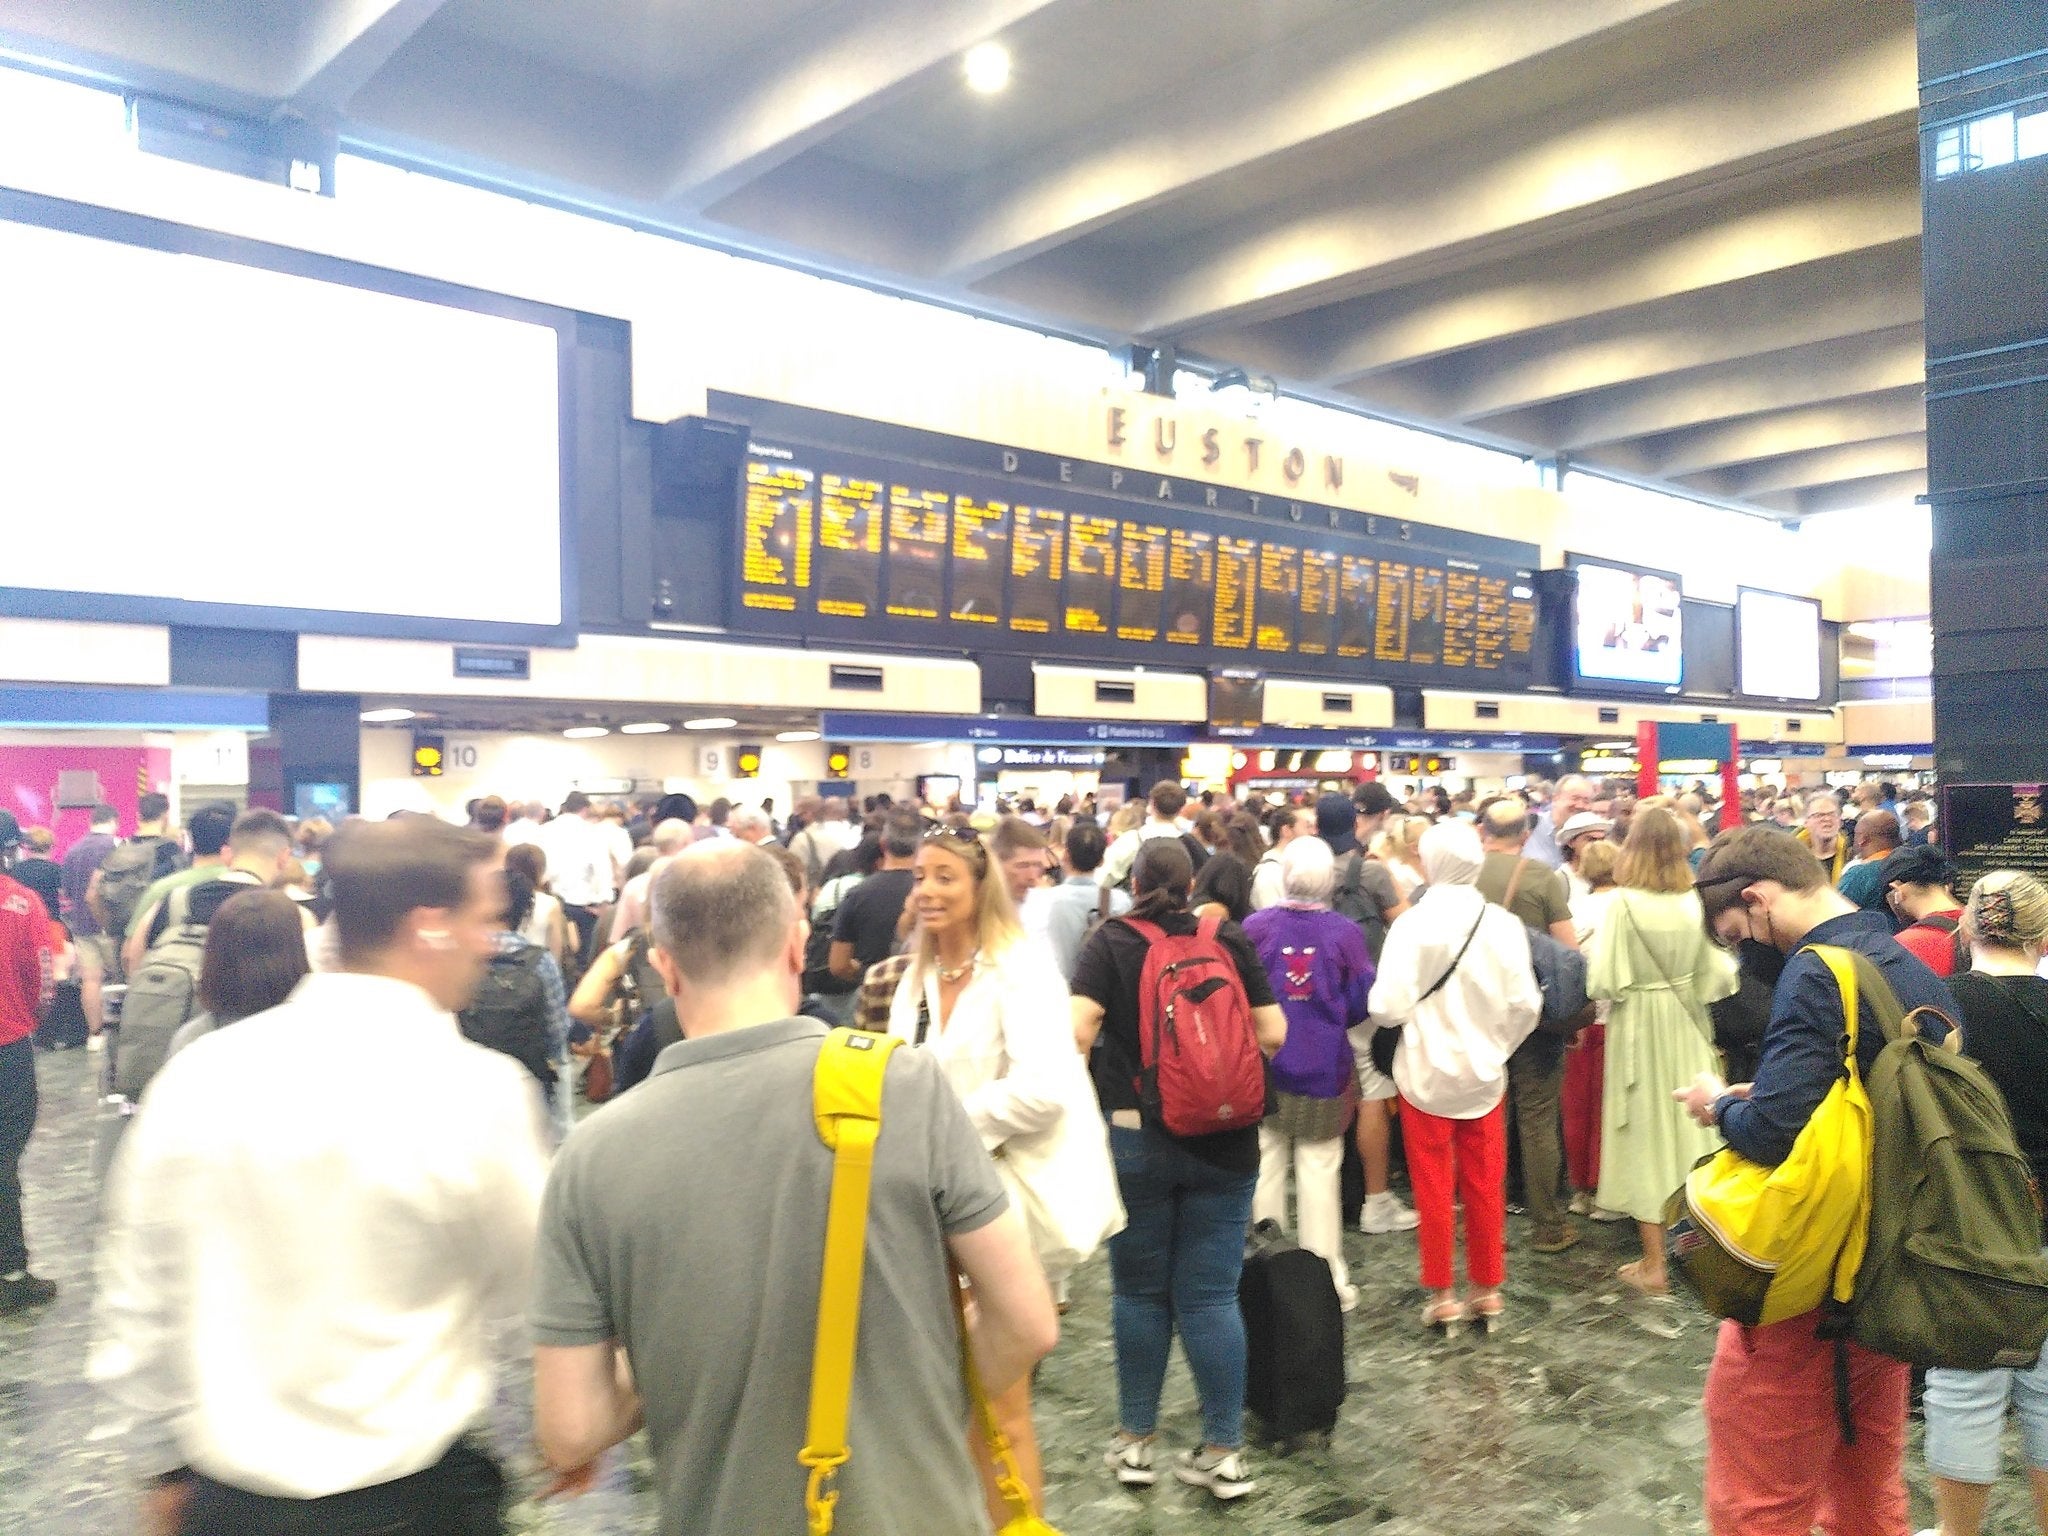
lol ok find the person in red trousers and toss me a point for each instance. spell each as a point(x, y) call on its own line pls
point(1778, 1460)
point(1455, 982)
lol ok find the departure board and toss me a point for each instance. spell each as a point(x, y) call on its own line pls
point(1091, 574)
point(1141, 582)
point(1038, 567)
point(775, 566)
point(848, 563)
point(918, 521)
point(981, 551)
point(841, 546)
point(1237, 590)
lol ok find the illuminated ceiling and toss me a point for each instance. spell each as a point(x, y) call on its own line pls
point(1675, 239)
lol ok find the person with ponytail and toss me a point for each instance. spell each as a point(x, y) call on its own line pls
point(2004, 1007)
point(1175, 1266)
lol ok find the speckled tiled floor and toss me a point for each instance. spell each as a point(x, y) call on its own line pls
point(1582, 1417)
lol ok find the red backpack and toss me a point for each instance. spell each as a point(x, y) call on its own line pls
point(1200, 1068)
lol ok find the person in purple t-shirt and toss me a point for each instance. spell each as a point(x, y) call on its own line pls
point(81, 863)
point(1321, 976)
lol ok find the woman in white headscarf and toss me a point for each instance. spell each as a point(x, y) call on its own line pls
point(1455, 981)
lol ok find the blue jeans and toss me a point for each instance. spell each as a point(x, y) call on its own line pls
point(1176, 1264)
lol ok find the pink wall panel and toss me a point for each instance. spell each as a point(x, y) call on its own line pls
point(28, 783)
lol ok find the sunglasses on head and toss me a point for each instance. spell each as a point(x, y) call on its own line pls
point(960, 839)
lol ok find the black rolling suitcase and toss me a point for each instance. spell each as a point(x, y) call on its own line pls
point(62, 1025)
point(1294, 1337)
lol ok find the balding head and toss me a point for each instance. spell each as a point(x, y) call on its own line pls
point(672, 836)
point(1573, 795)
point(1877, 834)
point(725, 921)
point(1505, 826)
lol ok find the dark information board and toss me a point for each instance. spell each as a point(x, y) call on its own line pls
point(839, 545)
point(1994, 826)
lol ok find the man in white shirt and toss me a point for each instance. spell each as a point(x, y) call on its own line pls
point(1268, 888)
point(1166, 801)
point(831, 833)
point(579, 864)
point(304, 1245)
point(523, 822)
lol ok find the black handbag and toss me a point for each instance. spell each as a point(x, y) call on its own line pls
point(1385, 1041)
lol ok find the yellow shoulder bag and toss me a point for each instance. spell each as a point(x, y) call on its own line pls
point(1761, 1244)
point(847, 1101)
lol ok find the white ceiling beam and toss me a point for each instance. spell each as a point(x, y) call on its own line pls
point(1888, 413)
point(346, 42)
point(1819, 466)
point(1870, 291)
point(1803, 94)
point(1307, 87)
point(1848, 496)
point(1837, 370)
point(847, 62)
point(1812, 219)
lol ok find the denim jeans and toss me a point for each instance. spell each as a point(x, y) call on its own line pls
point(1176, 1265)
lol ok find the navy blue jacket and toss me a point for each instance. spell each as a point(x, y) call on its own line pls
point(1801, 1055)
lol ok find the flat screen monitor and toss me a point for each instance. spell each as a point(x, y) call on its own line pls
point(1777, 645)
point(1237, 701)
point(1626, 626)
point(246, 436)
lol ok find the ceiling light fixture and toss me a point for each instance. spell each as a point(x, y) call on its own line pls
point(988, 68)
point(644, 728)
point(710, 723)
point(586, 732)
point(796, 735)
point(387, 716)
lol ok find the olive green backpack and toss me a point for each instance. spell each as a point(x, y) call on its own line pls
point(1953, 1274)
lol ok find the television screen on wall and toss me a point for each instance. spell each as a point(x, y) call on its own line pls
point(206, 430)
point(1627, 626)
point(1777, 645)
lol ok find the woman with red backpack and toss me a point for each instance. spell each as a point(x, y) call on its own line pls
point(1187, 1195)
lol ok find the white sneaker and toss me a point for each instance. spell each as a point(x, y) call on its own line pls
point(1582, 1203)
point(1386, 1213)
point(1131, 1460)
point(1347, 1298)
point(1222, 1475)
point(95, 1042)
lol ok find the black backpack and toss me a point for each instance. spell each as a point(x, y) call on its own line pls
point(818, 977)
point(510, 1011)
point(128, 871)
point(1349, 898)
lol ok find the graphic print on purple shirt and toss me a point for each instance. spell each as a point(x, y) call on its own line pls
point(1321, 976)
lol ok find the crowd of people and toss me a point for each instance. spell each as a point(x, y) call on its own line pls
point(1139, 1030)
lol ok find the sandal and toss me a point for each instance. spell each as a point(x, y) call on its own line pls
point(1485, 1311)
point(1632, 1276)
point(1443, 1317)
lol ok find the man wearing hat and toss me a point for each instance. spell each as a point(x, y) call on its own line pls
point(1578, 834)
point(24, 987)
point(1919, 887)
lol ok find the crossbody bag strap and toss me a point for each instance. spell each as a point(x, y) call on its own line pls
point(1456, 960)
point(846, 1097)
point(1514, 884)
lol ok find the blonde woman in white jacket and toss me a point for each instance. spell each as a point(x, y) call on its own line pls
point(991, 1005)
point(1455, 980)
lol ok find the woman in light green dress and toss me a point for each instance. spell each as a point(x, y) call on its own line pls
point(1652, 959)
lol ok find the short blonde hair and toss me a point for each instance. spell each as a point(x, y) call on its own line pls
point(1596, 863)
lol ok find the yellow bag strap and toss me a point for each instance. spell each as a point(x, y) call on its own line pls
point(1009, 1476)
point(1842, 963)
point(846, 1097)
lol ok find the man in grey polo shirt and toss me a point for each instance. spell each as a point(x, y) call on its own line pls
point(683, 1234)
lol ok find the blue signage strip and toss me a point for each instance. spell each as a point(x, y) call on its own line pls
point(1033, 731)
point(132, 709)
point(1008, 730)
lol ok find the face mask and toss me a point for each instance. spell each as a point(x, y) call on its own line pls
point(1764, 962)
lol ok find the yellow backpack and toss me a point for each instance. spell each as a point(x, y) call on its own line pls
point(1760, 1244)
point(846, 1095)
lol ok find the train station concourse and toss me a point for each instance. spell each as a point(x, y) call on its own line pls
point(768, 767)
